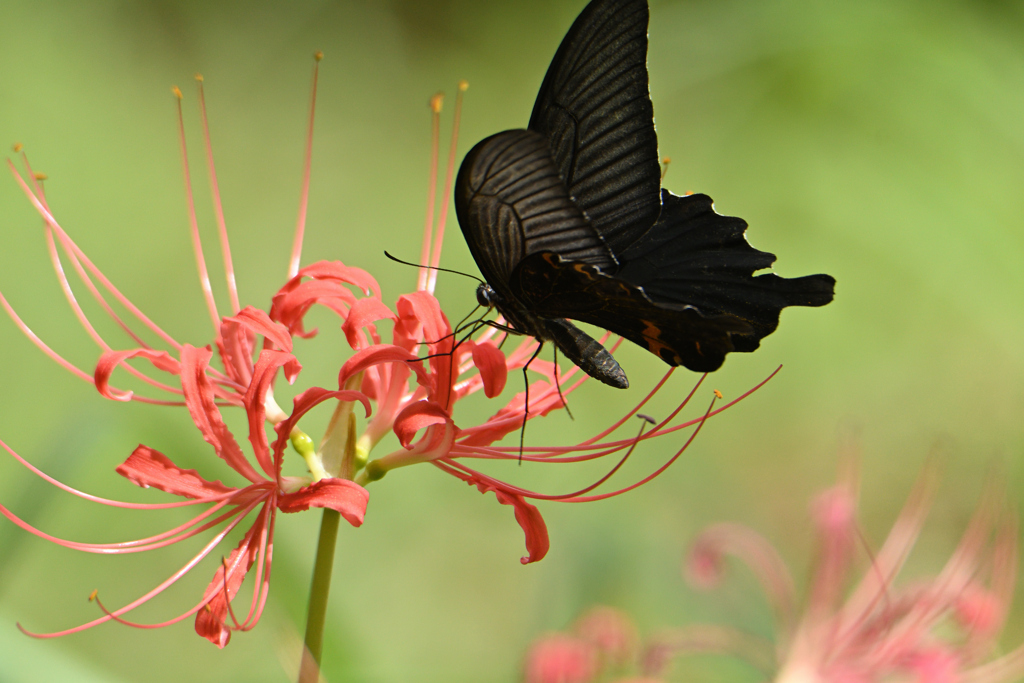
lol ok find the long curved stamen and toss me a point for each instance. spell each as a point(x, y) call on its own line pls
point(34, 338)
point(106, 501)
point(171, 580)
point(225, 246)
point(428, 226)
point(438, 237)
point(89, 329)
point(300, 222)
point(261, 581)
point(197, 244)
point(69, 245)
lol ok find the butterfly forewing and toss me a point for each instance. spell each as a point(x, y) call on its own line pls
point(594, 107)
point(511, 202)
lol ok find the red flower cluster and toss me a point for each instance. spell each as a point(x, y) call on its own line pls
point(409, 386)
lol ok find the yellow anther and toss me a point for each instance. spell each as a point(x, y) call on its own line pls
point(199, 77)
point(666, 160)
point(436, 101)
point(92, 596)
point(40, 176)
point(718, 394)
point(463, 85)
point(177, 91)
point(17, 147)
point(318, 55)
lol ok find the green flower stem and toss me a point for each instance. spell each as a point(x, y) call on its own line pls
point(309, 670)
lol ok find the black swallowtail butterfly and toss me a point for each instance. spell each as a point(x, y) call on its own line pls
point(567, 219)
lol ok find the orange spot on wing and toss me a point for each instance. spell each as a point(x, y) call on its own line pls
point(652, 334)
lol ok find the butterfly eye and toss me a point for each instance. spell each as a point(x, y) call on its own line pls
point(485, 296)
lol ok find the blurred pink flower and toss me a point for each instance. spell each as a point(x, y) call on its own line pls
point(602, 643)
point(409, 387)
point(561, 658)
point(940, 629)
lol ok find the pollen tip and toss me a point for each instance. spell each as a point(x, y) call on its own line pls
point(436, 101)
point(318, 55)
point(666, 160)
point(463, 85)
point(177, 91)
point(17, 147)
point(718, 394)
point(92, 596)
point(199, 77)
point(40, 176)
point(647, 418)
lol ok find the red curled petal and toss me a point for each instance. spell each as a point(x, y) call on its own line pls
point(527, 514)
point(255, 404)
point(336, 270)
point(290, 306)
point(259, 322)
point(147, 467)
point(111, 359)
point(383, 353)
point(420, 310)
point(532, 523)
point(363, 313)
point(306, 401)
point(327, 285)
point(211, 619)
point(417, 416)
point(346, 497)
point(490, 361)
point(199, 399)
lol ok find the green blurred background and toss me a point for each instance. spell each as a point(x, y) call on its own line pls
point(880, 141)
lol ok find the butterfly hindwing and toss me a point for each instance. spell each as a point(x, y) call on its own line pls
point(511, 202)
point(594, 108)
point(697, 257)
point(552, 287)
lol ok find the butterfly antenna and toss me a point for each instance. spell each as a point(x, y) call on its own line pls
point(443, 270)
point(526, 404)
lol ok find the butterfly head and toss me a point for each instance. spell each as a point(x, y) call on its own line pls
point(486, 296)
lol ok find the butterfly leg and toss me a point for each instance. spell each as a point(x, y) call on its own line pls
point(558, 385)
point(526, 403)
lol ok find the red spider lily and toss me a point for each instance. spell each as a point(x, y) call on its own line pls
point(411, 395)
point(942, 629)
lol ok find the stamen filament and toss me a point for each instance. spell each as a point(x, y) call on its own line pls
point(225, 246)
point(438, 237)
point(197, 244)
point(300, 223)
point(428, 226)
